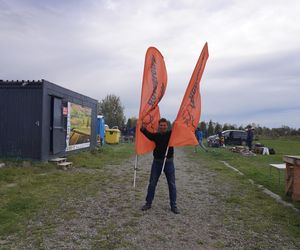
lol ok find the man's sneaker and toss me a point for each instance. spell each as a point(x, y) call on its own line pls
point(146, 207)
point(175, 210)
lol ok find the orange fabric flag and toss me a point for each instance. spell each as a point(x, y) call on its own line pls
point(183, 131)
point(153, 88)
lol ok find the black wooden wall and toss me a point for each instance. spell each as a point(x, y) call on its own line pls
point(20, 119)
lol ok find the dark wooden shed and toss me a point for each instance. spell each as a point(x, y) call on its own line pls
point(41, 120)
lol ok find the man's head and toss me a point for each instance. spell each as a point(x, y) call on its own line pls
point(163, 125)
point(249, 127)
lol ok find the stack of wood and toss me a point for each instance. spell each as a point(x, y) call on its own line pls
point(244, 150)
point(292, 181)
point(237, 149)
point(61, 163)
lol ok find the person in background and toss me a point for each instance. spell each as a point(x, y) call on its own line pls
point(221, 139)
point(250, 135)
point(199, 136)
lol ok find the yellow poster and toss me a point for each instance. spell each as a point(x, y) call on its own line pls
point(79, 127)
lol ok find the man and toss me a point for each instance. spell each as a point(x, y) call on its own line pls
point(199, 136)
point(161, 140)
point(250, 136)
point(221, 139)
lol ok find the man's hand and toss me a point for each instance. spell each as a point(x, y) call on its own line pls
point(143, 125)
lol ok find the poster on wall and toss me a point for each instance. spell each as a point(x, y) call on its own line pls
point(78, 127)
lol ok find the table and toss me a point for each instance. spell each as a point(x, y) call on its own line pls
point(278, 167)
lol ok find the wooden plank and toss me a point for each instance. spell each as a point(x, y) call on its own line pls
point(58, 160)
point(288, 186)
point(292, 159)
point(65, 164)
point(296, 190)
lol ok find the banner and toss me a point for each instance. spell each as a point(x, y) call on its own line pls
point(78, 126)
point(183, 131)
point(153, 89)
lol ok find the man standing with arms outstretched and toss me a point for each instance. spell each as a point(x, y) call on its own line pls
point(161, 140)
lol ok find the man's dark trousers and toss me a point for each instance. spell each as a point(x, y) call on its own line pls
point(169, 171)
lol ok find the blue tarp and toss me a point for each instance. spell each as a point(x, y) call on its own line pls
point(100, 128)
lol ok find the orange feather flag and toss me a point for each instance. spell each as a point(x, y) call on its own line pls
point(183, 131)
point(153, 88)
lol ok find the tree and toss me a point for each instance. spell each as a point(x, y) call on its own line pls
point(225, 126)
point(232, 126)
point(169, 124)
point(112, 110)
point(210, 130)
point(131, 122)
point(258, 130)
point(218, 128)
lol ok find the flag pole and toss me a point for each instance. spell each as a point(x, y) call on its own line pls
point(163, 167)
point(135, 169)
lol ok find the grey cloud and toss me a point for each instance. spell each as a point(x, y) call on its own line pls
point(98, 47)
point(278, 64)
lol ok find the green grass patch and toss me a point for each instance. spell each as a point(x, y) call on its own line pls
point(26, 190)
point(258, 167)
point(246, 202)
point(108, 154)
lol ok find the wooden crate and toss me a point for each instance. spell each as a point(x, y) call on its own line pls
point(292, 177)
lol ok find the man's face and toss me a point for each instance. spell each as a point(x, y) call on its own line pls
point(163, 126)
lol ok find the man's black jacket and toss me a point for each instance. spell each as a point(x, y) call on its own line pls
point(161, 143)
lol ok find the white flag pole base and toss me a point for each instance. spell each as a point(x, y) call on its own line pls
point(163, 167)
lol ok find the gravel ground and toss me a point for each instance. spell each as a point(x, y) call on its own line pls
point(112, 219)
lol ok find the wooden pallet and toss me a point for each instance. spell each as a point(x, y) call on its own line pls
point(62, 163)
point(65, 165)
point(58, 160)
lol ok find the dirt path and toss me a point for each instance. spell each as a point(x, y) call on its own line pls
point(112, 218)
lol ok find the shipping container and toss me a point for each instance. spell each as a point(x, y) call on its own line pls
point(41, 120)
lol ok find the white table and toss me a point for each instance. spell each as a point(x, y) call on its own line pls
point(278, 167)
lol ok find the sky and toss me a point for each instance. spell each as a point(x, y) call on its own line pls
point(98, 48)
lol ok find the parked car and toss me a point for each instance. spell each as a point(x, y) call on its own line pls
point(231, 137)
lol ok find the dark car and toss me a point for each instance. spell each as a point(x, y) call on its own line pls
point(235, 137)
point(231, 137)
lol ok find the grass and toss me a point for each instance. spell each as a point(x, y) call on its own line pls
point(246, 202)
point(26, 190)
point(258, 168)
point(109, 154)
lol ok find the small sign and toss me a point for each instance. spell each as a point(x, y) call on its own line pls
point(65, 110)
